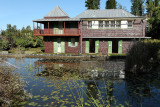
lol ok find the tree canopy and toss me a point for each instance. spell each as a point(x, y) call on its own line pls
point(111, 4)
point(13, 37)
point(92, 4)
point(137, 7)
point(153, 12)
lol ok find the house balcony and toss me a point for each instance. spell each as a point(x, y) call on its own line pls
point(57, 32)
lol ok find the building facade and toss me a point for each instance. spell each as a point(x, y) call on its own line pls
point(93, 31)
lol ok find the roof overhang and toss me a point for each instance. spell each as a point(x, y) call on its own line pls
point(119, 37)
point(54, 20)
point(115, 18)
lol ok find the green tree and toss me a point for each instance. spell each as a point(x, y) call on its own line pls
point(11, 32)
point(26, 38)
point(137, 7)
point(4, 44)
point(111, 4)
point(149, 7)
point(92, 4)
point(154, 24)
point(153, 12)
point(156, 3)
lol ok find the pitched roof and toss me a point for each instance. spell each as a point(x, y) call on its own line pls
point(57, 12)
point(107, 13)
point(65, 19)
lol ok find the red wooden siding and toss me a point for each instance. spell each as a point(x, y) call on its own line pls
point(49, 46)
point(136, 31)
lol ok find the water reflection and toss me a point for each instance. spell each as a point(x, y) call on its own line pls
point(144, 88)
point(96, 69)
point(58, 82)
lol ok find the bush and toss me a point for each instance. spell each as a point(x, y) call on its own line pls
point(142, 56)
point(4, 44)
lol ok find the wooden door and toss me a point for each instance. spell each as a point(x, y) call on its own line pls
point(59, 45)
point(109, 47)
point(120, 47)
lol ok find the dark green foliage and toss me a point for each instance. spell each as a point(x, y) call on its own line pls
point(142, 57)
point(149, 7)
point(137, 7)
point(156, 2)
point(154, 24)
point(4, 44)
point(111, 4)
point(92, 4)
point(153, 11)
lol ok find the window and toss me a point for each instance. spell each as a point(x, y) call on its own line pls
point(124, 24)
point(118, 24)
point(100, 24)
point(130, 24)
point(89, 24)
point(107, 24)
point(95, 24)
point(112, 24)
point(73, 42)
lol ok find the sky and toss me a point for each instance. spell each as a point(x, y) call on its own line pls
point(22, 12)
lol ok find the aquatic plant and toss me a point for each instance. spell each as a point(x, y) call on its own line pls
point(73, 88)
point(12, 92)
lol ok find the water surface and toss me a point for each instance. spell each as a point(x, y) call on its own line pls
point(81, 83)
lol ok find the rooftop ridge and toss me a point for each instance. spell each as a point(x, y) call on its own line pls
point(57, 12)
point(105, 13)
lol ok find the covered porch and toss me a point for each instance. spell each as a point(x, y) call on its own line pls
point(56, 27)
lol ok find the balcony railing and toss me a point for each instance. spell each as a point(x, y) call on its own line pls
point(56, 31)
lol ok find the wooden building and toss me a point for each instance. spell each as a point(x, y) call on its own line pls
point(93, 31)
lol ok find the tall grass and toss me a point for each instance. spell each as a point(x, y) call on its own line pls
point(142, 57)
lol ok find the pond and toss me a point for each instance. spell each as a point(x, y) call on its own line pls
point(70, 83)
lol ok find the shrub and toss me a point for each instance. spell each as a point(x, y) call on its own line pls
point(142, 56)
point(4, 44)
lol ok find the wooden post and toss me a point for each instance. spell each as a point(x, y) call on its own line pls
point(40, 28)
point(33, 25)
point(64, 27)
point(37, 28)
point(33, 28)
point(48, 28)
point(53, 27)
point(78, 28)
point(37, 25)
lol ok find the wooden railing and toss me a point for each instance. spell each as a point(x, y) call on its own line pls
point(56, 31)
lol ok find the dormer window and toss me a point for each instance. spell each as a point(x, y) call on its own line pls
point(130, 24)
point(112, 24)
point(118, 24)
point(89, 24)
point(100, 24)
point(106, 24)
